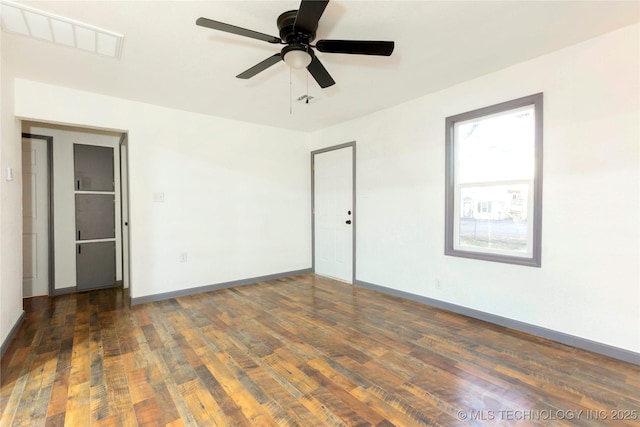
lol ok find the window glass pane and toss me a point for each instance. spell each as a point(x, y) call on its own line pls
point(497, 147)
point(495, 218)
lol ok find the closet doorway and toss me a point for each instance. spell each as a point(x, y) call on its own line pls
point(86, 209)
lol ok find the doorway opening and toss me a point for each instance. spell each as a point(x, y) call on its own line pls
point(85, 206)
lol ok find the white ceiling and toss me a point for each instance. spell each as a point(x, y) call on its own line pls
point(167, 60)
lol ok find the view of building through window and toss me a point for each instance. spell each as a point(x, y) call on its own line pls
point(494, 175)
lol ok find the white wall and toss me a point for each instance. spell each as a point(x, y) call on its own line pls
point(236, 195)
point(589, 283)
point(10, 207)
point(64, 194)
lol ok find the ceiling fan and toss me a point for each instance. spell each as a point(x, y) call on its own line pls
point(297, 31)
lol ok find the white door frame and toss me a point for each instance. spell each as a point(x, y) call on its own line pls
point(351, 144)
point(50, 245)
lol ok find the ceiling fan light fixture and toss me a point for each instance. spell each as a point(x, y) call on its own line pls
point(296, 56)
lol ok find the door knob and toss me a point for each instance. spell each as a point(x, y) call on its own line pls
point(348, 221)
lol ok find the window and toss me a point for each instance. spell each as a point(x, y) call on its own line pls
point(494, 182)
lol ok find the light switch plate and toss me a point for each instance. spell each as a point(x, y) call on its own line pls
point(158, 197)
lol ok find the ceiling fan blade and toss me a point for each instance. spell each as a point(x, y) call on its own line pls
point(356, 47)
point(320, 73)
point(259, 67)
point(228, 28)
point(309, 14)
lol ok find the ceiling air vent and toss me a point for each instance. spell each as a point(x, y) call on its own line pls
point(27, 21)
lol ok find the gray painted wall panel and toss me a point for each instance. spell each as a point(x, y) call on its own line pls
point(95, 265)
point(95, 216)
point(93, 166)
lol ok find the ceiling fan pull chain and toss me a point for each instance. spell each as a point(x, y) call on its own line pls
point(290, 95)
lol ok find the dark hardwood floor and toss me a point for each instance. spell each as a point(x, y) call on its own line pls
point(305, 351)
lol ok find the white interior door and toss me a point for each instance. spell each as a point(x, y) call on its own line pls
point(124, 194)
point(333, 213)
point(35, 212)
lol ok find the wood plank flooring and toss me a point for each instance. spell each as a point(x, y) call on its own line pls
point(304, 351)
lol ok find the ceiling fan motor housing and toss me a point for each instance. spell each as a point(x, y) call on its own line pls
point(286, 23)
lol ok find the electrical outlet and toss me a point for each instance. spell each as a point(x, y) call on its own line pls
point(439, 285)
point(183, 257)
